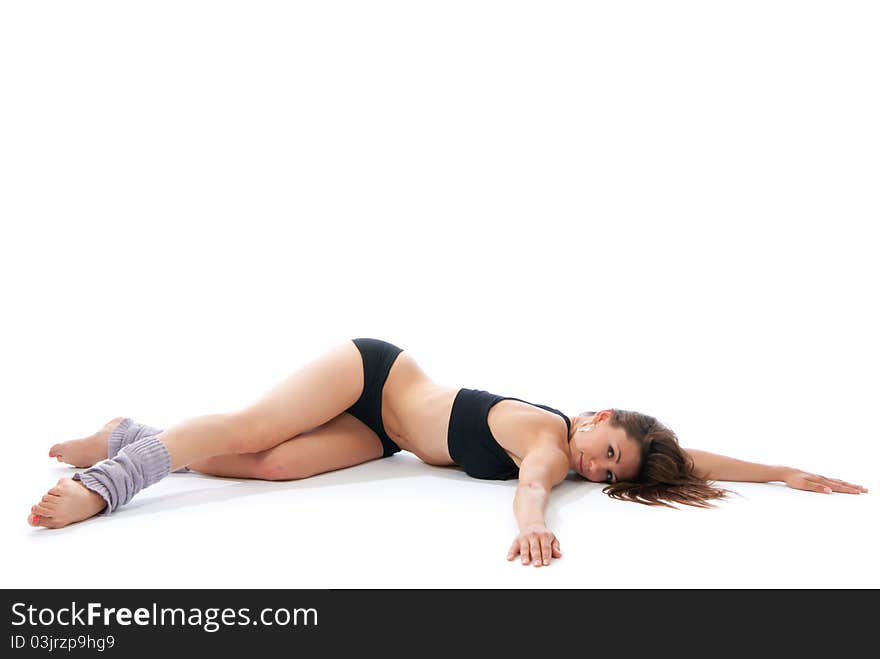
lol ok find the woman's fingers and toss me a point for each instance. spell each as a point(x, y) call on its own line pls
point(535, 546)
point(842, 487)
point(513, 551)
point(812, 486)
point(837, 481)
point(546, 550)
point(819, 483)
point(543, 557)
point(833, 484)
point(804, 480)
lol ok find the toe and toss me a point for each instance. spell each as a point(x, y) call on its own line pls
point(55, 451)
point(46, 522)
point(43, 510)
point(55, 523)
point(33, 520)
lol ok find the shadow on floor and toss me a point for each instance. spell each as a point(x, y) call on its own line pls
point(401, 465)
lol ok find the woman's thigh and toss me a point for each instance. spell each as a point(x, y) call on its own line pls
point(344, 441)
point(313, 395)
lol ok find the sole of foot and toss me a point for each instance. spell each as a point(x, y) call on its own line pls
point(87, 451)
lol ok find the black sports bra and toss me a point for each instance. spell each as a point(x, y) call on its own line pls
point(470, 440)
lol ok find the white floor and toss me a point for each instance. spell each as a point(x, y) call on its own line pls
point(661, 207)
point(398, 523)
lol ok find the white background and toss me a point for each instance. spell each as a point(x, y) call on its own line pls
point(663, 207)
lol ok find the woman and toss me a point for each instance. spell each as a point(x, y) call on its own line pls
point(366, 399)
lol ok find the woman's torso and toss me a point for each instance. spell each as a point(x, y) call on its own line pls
point(415, 413)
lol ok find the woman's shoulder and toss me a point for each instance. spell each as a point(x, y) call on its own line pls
point(521, 427)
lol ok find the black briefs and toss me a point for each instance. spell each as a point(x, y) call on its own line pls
point(470, 441)
point(378, 357)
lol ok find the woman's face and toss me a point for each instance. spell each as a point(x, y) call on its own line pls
point(601, 453)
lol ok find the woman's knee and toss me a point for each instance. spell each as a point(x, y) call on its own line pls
point(274, 467)
point(247, 433)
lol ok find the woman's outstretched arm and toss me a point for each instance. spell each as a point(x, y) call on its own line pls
point(712, 466)
point(541, 469)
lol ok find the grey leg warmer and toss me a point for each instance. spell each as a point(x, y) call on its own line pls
point(129, 431)
point(136, 466)
point(125, 433)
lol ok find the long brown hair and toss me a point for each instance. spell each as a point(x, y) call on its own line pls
point(666, 471)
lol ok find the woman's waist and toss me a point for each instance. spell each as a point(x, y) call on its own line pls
point(421, 421)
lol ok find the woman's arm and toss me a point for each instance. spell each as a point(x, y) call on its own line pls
point(529, 504)
point(541, 469)
point(712, 466)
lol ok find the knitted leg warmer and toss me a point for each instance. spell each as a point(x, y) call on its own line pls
point(136, 466)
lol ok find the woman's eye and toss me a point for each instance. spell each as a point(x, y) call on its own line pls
point(610, 452)
point(609, 477)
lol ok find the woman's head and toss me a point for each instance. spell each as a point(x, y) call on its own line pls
point(639, 457)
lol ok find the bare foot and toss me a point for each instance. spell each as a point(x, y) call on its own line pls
point(87, 451)
point(68, 502)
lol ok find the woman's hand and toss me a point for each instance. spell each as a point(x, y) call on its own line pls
point(802, 480)
point(536, 544)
